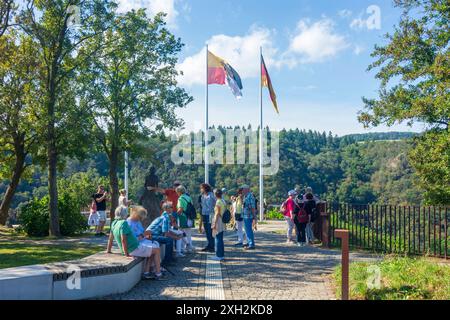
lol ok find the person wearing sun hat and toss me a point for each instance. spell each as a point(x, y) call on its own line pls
point(288, 210)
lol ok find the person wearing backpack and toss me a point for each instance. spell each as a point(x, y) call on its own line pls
point(288, 209)
point(218, 225)
point(186, 217)
point(301, 220)
point(311, 209)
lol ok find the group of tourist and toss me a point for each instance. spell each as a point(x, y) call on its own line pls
point(242, 207)
point(171, 231)
point(300, 211)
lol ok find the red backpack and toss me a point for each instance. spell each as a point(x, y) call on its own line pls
point(302, 216)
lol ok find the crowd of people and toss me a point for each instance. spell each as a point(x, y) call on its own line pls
point(300, 212)
point(172, 230)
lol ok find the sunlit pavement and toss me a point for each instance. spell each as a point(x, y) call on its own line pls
point(274, 270)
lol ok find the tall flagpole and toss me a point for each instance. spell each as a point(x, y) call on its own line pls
point(261, 180)
point(126, 173)
point(206, 124)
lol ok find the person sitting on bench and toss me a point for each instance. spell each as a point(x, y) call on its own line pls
point(130, 246)
point(160, 231)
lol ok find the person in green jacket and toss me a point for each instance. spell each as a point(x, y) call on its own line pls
point(130, 246)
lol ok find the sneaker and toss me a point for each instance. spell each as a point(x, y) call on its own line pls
point(205, 249)
point(215, 258)
point(148, 276)
point(160, 277)
point(211, 250)
point(249, 248)
point(180, 255)
point(245, 245)
point(299, 244)
point(239, 244)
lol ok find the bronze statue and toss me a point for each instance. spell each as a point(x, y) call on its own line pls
point(150, 200)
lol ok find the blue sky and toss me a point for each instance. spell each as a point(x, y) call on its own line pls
point(317, 53)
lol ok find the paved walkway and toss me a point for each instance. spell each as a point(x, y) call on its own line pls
point(273, 271)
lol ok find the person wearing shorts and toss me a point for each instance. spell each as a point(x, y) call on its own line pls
point(100, 198)
point(130, 246)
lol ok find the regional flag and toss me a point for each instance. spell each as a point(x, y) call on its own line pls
point(266, 82)
point(221, 72)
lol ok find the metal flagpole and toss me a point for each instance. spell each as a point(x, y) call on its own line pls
point(261, 180)
point(206, 124)
point(126, 172)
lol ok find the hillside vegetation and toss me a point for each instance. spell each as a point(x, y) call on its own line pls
point(369, 168)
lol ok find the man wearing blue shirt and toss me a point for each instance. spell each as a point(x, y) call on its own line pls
point(160, 232)
point(249, 216)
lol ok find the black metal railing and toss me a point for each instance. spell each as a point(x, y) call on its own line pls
point(415, 230)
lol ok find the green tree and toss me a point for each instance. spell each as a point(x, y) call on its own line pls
point(19, 95)
point(58, 43)
point(130, 89)
point(7, 9)
point(414, 70)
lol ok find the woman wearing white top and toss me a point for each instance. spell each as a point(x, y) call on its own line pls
point(238, 210)
point(123, 200)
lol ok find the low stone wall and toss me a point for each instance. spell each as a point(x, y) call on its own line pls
point(94, 276)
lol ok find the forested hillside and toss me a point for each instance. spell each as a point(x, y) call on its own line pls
point(354, 168)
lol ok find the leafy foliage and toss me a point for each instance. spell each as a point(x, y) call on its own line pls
point(129, 89)
point(34, 216)
point(361, 172)
point(274, 214)
point(414, 87)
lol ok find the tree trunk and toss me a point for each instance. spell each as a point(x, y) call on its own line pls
point(52, 155)
point(19, 151)
point(113, 180)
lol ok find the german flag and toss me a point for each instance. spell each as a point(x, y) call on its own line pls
point(266, 82)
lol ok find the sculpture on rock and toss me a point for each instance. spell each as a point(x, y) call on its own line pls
point(150, 200)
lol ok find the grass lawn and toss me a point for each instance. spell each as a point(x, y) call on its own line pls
point(402, 278)
point(16, 250)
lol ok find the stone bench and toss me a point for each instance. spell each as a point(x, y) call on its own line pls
point(98, 275)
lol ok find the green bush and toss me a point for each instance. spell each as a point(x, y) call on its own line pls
point(34, 216)
point(274, 214)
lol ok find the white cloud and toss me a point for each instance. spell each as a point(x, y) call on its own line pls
point(345, 13)
point(314, 42)
point(153, 7)
point(242, 52)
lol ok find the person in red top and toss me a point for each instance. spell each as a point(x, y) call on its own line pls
point(289, 207)
point(170, 194)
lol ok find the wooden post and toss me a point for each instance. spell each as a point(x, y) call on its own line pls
point(343, 235)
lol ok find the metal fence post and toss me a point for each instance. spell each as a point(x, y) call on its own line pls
point(325, 228)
